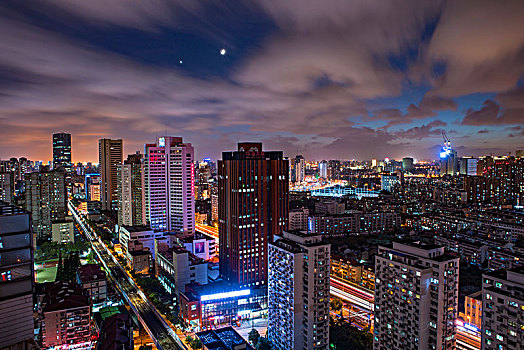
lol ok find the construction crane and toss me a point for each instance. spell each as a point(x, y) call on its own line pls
point(447, 141)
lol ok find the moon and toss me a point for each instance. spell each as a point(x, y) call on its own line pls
point(223, 52)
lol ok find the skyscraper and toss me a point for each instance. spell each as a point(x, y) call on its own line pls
point(130, 186)
point(92, 187)
point(109, 157)
point(299, 169)
point(62, 151)
point(46, 199)
point(407, 164)
point(170, 185)
point(298, 292)
point(16, 277)
point(468, 166)
point(416, 297)
point(7, 187)
point(253, 195)
point(448, 161)
point(322, 169)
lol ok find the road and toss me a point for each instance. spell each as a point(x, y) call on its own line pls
point(209, 230)
point(159, 331)
point(360, 299)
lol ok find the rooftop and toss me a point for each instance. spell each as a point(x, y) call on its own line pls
point(62, 296)
point(222, 339)
point(138, 228)
point(90, 272)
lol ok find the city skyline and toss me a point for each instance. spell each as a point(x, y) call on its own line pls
point(344, 81)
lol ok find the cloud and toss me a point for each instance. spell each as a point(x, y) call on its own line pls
point(428, 107)
point(421, 132)
point(313, 85)
point(484, 116)
point(506, 108)
point(481, 43)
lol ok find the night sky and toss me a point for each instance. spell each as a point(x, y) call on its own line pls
point(327, 79)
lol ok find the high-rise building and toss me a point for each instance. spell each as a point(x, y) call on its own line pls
point(322, 169)
point(503, 309)
point(468, 166)
point(65, 314)
point(298, 292)
point(333, 169)
point(130, 188)
point(448, 161)
point(7, 187)
point(110, 155)
point(299, 170)
point(92, 187)
point(407, 164)
point(253, 195)
point(501, 182)
point(46, 199)
point(170, 185)
point(16, 277)
point(62, 151)
point(416, 297)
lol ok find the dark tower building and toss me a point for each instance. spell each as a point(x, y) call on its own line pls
point(110, 155)
point(62, 151)
point(253, 194)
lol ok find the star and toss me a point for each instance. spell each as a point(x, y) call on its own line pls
point(223, 52)
point(180, 61)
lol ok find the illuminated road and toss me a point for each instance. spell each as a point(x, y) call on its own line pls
point(468, 336)
point(361, 300)
point(208, 230)
point(163, 336)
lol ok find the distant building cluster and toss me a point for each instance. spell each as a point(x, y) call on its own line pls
point(422, 255)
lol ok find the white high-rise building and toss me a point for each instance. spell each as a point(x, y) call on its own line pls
point(170, 185)
point(298, 292)
point(322, 169)
point(416, 297)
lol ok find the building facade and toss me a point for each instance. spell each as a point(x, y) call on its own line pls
point(298, 219)
point(178, 267)
point(63, 231)
point(253, 194)
point(16, 276)
point(110, 155)
point(130, 188)
point(7, 187)
point(62, 151)
point(503, 309)
point(416, 297)
point(46, 199)
point(298, 292)
point(170, 185)
point(65, 315)
point(91, 278)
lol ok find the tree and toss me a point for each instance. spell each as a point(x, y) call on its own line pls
point(254, 336)
point(345, 336)
point(197, 343)
point(263, 344)
point(60, 268)
point(189, 340)
point(336, 304)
